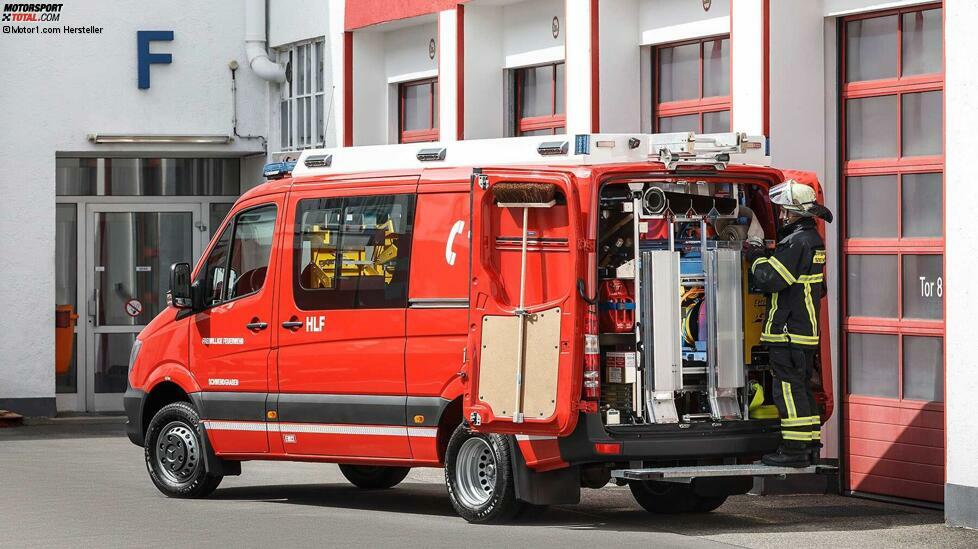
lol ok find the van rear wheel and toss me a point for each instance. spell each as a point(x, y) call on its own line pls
point(479, 477)
point(374, 477)
point(175, 455)
point(672, 498)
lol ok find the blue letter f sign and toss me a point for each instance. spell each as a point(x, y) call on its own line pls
point(145, 58)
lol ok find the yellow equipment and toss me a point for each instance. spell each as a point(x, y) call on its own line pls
point(369, 260)
point(754, 309)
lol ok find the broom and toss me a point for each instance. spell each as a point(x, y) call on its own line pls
point(525, 196)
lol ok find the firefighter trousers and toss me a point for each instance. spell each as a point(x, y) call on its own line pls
point(793, 368)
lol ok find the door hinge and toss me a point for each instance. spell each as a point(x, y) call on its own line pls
point(586, 406)
point(585, 244)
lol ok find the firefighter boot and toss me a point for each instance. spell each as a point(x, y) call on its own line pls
point(815, 451)
point(790, 454)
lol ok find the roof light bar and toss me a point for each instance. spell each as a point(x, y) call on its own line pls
point(278, 170)
point(433, 154)
point(318, 161)
point(551, 148)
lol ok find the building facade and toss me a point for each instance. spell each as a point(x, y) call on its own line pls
point(857, 91)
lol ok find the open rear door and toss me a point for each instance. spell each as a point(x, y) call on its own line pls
point(525, 346)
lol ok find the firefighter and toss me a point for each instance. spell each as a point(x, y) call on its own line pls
point(793, 277)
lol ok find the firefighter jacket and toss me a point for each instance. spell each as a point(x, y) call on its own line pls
point(794, 279)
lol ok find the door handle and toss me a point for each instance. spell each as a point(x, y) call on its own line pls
point(256, 325)
point(292, 324)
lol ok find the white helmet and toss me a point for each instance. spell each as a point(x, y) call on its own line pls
point(793, 196)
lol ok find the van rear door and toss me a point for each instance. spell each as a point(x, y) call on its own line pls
point(525, 363)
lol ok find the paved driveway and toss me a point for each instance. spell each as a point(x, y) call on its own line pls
point(78, 485)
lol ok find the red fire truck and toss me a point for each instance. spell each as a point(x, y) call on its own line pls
point(534, 314)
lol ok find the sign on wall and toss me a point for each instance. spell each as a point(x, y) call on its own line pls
point(145, 58)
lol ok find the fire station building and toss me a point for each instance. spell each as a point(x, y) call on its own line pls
point(125, 148)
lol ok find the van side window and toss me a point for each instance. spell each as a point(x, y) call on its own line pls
point(250, 248)
point(238, 263)
point(353, 252)
point(211, 277)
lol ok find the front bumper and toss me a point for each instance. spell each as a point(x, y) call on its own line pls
point(674, 442)
point(132, 402)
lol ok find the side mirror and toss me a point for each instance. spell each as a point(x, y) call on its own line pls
point(180, 296)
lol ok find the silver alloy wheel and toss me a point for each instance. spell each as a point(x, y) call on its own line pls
point(177, 453)
point(475, 472)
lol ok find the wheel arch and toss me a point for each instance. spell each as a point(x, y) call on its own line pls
point(163, 393)
point(450, 418)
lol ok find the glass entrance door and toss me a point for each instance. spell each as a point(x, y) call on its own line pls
point(130, 248)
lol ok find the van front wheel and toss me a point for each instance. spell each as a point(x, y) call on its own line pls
point(479, 477)
point(174, 453)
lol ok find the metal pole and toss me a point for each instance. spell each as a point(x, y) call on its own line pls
point(521, 326)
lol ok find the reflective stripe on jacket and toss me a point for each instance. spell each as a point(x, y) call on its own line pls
point(794, 279)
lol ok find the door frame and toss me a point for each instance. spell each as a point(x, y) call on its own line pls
point(111, 402)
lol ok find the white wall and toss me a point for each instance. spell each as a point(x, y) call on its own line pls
point(447, 59)
point(369, 89)
point(484, 82)
point(620, 67)
point(57, 89)
point(747, 55)
point(661, 21)
point(961, 381)
point(406, 54)
point(577, 67)
point(501, 35)
point(292, 21)
point(382, 57)
point(527, 36)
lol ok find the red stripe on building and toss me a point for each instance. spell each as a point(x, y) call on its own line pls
point(364, 13)
point(595, 74)
point(459, 72)
point(347, 89)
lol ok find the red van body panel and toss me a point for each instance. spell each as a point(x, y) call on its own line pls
point(387, 386)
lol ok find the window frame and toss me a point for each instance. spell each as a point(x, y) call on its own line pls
point(430, 133)
point(232, 223)
point(537, 123)
point(698, 106)
point(301, 294)
point(290, 96)
point(899, 245)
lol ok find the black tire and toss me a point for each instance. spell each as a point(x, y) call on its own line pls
point(664, 497)
point(374, 478)
point(488, 459)
point(175, 455)
point(706, 504)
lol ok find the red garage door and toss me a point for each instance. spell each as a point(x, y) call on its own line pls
point(893, 213)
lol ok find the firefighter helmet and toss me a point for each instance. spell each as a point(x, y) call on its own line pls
point(794, 197)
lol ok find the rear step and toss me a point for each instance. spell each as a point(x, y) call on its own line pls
point(686, 474)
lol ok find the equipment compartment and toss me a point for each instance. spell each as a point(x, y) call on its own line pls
point(679, 326)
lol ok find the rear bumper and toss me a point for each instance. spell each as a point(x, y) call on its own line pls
point(665, 443)
point(132, 402)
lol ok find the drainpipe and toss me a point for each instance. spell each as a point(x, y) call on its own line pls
point(258, 59)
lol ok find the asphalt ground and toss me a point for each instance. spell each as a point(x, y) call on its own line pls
point(80, 484)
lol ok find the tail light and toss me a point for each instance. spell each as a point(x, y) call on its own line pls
point(592, 358)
